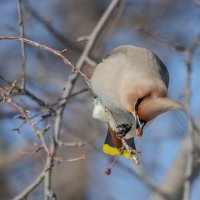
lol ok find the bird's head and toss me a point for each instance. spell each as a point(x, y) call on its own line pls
point(147, 108)
point(151, 107)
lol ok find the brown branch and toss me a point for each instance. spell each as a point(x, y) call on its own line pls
point(54, 51)
point(39, 101)
point(23, 51)
point(72, 95)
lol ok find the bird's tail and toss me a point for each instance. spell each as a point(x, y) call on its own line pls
point(113, 145)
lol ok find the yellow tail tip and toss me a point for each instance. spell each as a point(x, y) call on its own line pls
point(107, 149)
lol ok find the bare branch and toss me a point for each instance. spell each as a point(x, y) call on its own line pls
point(30, 188)
point(174, 44)
point(54, 51)
point(74, 94)
point(6, 94)
point(23, 51)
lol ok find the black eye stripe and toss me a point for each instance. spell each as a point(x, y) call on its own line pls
point(138, 103)
point(136, 110)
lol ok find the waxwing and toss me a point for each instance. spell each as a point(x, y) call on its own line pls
point(130, 90)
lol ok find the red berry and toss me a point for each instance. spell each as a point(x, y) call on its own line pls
point(138, 132)
point(107, 171)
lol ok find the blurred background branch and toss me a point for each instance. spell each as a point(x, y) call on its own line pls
point(23, 51)
point(59, 102)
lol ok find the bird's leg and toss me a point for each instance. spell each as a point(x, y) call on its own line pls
point(123, 129)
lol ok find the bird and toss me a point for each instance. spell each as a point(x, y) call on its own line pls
point(130, 88)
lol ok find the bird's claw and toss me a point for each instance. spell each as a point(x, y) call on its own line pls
point(123, 129)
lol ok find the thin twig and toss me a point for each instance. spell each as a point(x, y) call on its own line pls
point(23, 51)
point(54, 51)
point(30, 188)
point(74, 94)
point(69, 144)
point(174, 44)
point(6, 98)
point(18, 91)
point(4, 80)
point(82, 157)
point(39, 101)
